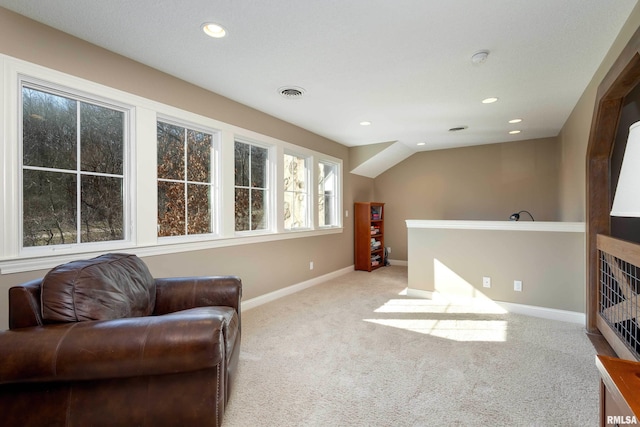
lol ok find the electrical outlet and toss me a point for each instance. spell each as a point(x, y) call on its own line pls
point(517, 285)
point(310, 265)
point(486, 282)
point(388, 249)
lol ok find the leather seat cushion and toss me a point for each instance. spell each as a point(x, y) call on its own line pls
point(111, 286)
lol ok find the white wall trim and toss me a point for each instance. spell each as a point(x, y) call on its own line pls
point(419, 293)
point(401, 263)
point(545, 312)
point(272, 296)
point(570, 227)
point(527, 310)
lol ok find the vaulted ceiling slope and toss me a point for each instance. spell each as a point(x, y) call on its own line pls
point(405, 66)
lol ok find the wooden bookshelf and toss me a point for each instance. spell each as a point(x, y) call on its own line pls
point(369, 236)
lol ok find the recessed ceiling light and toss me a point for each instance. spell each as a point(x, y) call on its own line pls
point(514, 132)
point(489, 100)
point(515, 121)
point(365, 123)
point(421, 143)
point(214, 30)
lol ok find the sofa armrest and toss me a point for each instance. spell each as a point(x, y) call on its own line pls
point(24, 305)
point(181, 293)
point(142, 346)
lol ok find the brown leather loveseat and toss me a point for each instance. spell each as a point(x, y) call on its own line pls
point(101, 342)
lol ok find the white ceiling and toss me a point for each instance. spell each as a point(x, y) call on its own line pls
point(403, 65)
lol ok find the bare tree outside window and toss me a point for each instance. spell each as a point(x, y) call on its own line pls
point(72, 170)
point(296, 193)
point(251, 187)
point(184, 181)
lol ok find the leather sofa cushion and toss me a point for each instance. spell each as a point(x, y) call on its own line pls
point(111, 286)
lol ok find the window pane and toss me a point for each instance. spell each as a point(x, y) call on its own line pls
point(288, 210)
point(174, 217)
point(288, 175)
point(171, 220)
point(242, 164)
point(251, 171)
point(295, 210)
point(242, 209)
point(299, 171)
point(327, 188)
point(295, 193)
point(199, 156)
point(258, 210)
point(101, 139)
point(300, 211)
point(48, 130)
point(170, 151)
point(49, 208)
point(52, 141)
point(199, 215)
point(259, 157)
point(102, 206)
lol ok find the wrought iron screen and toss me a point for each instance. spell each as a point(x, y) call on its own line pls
point(619, 303)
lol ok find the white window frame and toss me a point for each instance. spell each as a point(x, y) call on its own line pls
point(270, 190)
point(337, 197)
point(140, 172)
point(78, 96)
point(308, 165)
point(214, 185)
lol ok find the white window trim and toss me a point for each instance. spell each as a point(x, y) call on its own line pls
point(142, 222)
point(215, 180)
point(309, 173)
point(127, 167)
point(338, 202)
point(272, 187)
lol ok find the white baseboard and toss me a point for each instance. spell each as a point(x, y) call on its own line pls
point(545, 312)
point(419, 293)
point(527, 310)
point(272, 296)
point(398, 262)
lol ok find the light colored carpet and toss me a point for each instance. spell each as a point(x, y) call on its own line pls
point(354, 351)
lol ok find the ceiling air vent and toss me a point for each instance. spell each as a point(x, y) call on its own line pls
point(291, 92)
point(458, 128)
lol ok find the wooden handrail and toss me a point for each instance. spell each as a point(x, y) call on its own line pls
point(621, 249)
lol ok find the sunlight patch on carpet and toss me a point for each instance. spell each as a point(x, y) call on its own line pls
point(440, 304)
point(457, 330)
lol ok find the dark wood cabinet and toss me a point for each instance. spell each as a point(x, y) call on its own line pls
point(619, 385)
point(369, 235)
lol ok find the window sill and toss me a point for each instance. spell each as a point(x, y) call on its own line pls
point(18, 265)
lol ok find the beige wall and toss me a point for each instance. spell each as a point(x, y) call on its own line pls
point(549, 264)
point(263, 267)
point(574, 137)
point(487, 182)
